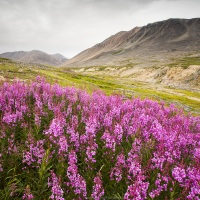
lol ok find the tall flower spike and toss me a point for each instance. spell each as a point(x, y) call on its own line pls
point(56, 190)
point(98, 190)
point(27, 194)
point(76, 181)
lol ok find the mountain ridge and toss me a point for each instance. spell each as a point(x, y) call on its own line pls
point(174, 34)
point(36, 57)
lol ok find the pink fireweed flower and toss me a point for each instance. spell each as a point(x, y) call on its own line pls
point(56, 127)
point(161, 184)
point(63, 145)
point(138, 190)
point(134, 167)
point(98, 190)
point(90, 138)
point(27, 194)
point(158, 161)
point(197, 153)
point(91, 126)
point(76, 181)
point(118, 131)
point(108, 120)
point(11, 145)
point(35, 153)
point(73, 137)
point(86, 130)
point(132, 163)
point(37, 120)
point(179, 174)
point(12, 118)
point(116, 172)
point(72, 132)
point(13, 188)
point(109, 139)
point(2, 134)
point(91, 152)
point(56, 190)
point(193, 180)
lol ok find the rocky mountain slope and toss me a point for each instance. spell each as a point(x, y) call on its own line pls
point(35, 56)
point(167, 38)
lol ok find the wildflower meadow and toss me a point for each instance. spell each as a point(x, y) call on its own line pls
point(63, 143)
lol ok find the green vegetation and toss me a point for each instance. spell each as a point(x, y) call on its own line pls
point(189, 100)
point(188, 93)
point(185, 62)
point(117, 52)
point(63, 143)
point(185, 102)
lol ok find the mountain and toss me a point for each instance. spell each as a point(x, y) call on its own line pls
point(35, 56)
point(169, 37)
point(59, 57)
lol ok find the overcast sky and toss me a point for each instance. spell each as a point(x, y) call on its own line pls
point(70, 26)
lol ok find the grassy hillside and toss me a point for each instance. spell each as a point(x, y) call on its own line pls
point(187, 99)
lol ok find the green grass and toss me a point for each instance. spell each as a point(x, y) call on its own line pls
point(181, 101)
point(4, 59)
point(117, 52)
point(185, 62)
point(89, 82)
point(194, 94)
point(108, 84)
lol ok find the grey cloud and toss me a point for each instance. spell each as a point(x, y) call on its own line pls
point(70, 26)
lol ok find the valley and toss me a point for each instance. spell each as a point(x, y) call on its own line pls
point(114, 80)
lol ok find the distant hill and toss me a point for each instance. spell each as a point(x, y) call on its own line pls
point(35, 56)
point(172, 36)
point(60, 57)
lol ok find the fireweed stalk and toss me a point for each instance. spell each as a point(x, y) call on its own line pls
point(98, 146)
